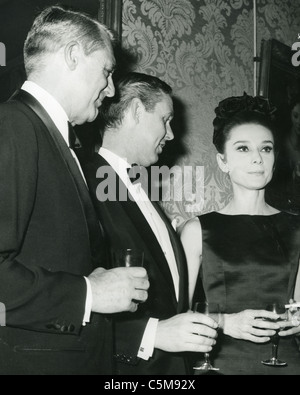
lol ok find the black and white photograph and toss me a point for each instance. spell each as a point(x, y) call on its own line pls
point(150, 190)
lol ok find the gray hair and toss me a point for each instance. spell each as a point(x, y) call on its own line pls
point(148, 88)
point(55, 27)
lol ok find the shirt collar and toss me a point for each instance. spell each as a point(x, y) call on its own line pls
point(51, 105)
point(120, 165)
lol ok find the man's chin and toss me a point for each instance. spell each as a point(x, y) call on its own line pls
point(92, 117)
point(153, 160)
point(148, 162)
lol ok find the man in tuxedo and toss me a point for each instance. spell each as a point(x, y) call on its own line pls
point(54, 283)
point(155, 339)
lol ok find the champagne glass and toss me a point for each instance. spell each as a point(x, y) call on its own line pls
point(212, 310)
point(281, 310)
point(128, 257)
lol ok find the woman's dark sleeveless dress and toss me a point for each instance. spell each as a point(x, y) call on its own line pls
point(248, 262)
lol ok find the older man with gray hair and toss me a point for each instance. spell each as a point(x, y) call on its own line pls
point(53, 278)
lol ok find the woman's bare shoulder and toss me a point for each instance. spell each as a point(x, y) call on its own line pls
point(190, 228)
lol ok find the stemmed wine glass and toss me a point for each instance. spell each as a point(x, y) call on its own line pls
point(281, 310)
point(212, 310)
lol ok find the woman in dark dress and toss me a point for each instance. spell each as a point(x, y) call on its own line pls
point(248, 252)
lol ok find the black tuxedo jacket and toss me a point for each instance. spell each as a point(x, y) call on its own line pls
point(49, 239)
point(126, 227)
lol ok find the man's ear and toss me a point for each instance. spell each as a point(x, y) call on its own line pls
point(137, 109)
point(222, 163)
point(72, 54)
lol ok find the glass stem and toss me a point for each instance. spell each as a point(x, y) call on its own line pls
point(274, 351)
point(206, 356)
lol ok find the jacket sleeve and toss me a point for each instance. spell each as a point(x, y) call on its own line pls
point(34, 298)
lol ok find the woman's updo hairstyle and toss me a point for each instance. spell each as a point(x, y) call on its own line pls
point(239, 110)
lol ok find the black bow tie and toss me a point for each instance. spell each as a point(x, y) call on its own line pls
point(74, 142)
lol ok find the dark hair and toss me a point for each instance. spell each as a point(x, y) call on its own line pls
point(239, 110)
point(147, 88)
point(55, 27)
point(294, 101)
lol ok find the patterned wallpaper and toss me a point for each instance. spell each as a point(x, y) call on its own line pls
point(204, 50)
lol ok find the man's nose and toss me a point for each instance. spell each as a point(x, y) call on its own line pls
point(170, 134)
point(110, 89)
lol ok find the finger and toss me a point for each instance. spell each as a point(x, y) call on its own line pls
point(285, 324)
point(204, 330)
point(265, 324)
point(137, 271)
point(262, 333)
point(266, 314)
point(289, 332)
point(133, 307)
point(195, 347)
point(205, 341)
point(142, 284)
point(198, 348)
point(198, 343)
point(140, 295)
point(256, 339)
point(203, 319)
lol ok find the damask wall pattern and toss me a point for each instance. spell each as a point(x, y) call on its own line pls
point(204, 50)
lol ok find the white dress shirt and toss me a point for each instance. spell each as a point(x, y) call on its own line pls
point(120, 165)
point(60, 119)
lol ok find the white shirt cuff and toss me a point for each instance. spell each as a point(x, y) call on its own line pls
point(147, 345)
point(88, 302)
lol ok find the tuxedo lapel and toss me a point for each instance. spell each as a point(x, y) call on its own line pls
point(64, 151)
point(93, 226)
point(141, 225)
point(144, 229)
point(179, 256)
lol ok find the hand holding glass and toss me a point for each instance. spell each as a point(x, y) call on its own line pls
point(128, 257)
point(212, 310)
point(281, 310)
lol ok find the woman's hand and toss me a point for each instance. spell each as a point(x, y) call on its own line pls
point(293, 330)
point(293, 323)
point(251, 325)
